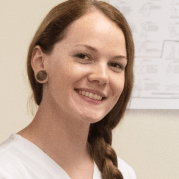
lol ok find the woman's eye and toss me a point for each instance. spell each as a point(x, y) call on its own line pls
point(117, 67)
point(84, 58)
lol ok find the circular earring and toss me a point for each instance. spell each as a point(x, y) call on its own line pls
point(41, 75)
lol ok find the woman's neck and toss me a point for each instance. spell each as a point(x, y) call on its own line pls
point(61, 137)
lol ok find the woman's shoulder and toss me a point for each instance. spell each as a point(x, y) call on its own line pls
point(6, 147)
point(8, 161)
point(127, 171)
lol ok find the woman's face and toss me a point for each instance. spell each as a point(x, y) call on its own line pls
point(86, 70)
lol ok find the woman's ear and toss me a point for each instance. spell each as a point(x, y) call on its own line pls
point(37, 63)
point(37, 60)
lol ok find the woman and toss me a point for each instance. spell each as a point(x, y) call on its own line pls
point(80, 67)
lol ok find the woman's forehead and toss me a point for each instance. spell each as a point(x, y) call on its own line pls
point(94, 26)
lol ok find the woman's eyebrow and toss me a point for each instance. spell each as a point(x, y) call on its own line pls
point(94, 49)
point(88, 47)
point(120, 57)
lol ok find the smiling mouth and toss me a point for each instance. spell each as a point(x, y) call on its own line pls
point(90, 95)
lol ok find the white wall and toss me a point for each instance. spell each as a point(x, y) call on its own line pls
point(149, 141)
point(146, 139)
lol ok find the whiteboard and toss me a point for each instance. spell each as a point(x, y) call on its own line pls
point(155, 28)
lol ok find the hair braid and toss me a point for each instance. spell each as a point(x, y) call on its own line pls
point(100, 139)
point(53, 30)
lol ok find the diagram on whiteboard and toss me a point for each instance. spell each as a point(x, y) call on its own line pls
point(155, 27)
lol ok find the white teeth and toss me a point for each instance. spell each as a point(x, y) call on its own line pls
point(99, 98)
point(90, 95)
point(95, 96)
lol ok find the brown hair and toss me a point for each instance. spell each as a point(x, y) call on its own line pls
point(49, 33)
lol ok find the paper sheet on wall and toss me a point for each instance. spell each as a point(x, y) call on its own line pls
point(155, 27)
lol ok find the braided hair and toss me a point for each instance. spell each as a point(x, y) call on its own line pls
point(51, 31)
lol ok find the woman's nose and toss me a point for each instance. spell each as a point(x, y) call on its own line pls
point(99, 74)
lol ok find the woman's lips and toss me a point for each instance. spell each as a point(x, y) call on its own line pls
point(91, 96)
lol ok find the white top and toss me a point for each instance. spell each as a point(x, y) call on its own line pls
point(21, 159)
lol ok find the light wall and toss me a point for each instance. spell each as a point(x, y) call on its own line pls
point(146, 139)
point(149, 141)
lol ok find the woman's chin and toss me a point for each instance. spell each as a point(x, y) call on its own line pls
point(91, 117)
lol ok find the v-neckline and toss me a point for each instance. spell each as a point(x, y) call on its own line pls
point(47, 161)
